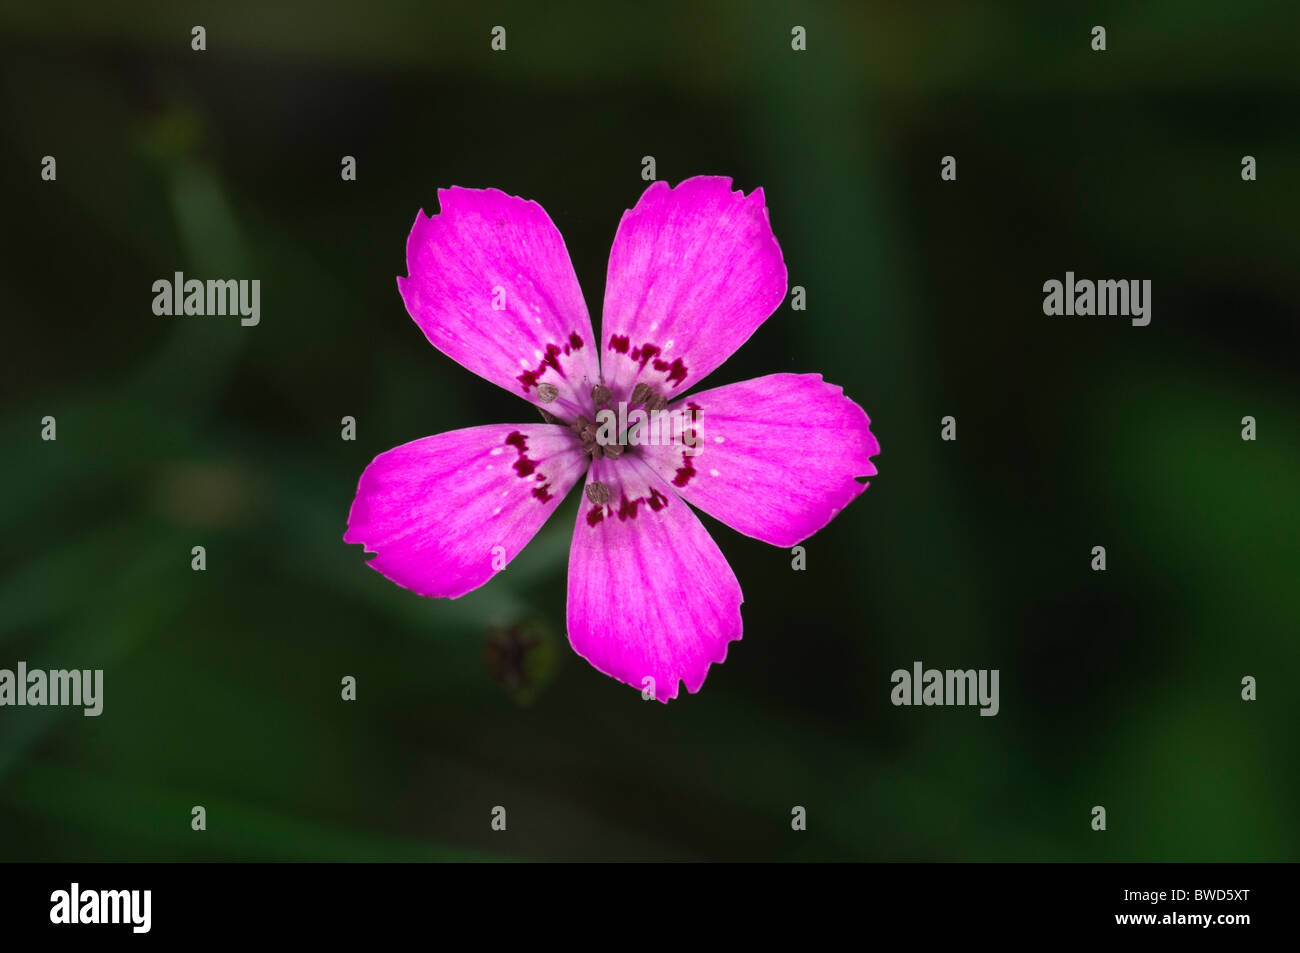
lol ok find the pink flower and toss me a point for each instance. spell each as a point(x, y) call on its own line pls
point(693, 272)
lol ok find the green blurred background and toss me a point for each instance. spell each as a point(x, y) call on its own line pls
point(1119, 689)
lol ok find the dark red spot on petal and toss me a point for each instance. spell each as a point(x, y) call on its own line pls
point(529, 378)
point(627, 508)
point(525, 467)
point(676, 370)
point(644, 354)
point(685, 472)
point(550, 359)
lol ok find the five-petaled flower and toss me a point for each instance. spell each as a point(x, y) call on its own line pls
point(693, 272)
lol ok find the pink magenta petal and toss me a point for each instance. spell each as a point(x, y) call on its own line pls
point(693, 272)
point(650, 594)
point(492, 287)
point(445, 513)
point(775, 456)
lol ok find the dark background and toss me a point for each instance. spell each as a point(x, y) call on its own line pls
point(924, 297)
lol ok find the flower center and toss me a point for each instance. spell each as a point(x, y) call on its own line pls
point(597, 441)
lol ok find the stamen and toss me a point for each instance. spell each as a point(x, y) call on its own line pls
point(547, 393)
point(600, 393)
point(656, 402)
point(598, 493)
point(590, 436)
point(640, 392)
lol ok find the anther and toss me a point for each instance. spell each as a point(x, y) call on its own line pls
point(547, 393)
point(600, 393)
point(598, 493)
point(640, 392)
point(656, 402)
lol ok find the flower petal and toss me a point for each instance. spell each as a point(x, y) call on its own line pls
point(693, 272)
point(774, 457)
point(492, 287)
point(436, 510)
point(650, 593)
